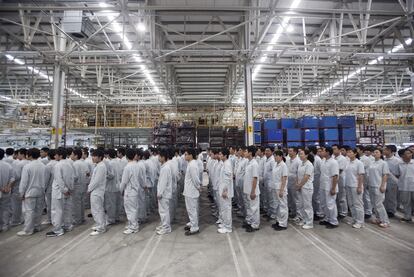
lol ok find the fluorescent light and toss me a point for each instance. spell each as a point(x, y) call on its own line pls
point(141, 27)
point(290, 29)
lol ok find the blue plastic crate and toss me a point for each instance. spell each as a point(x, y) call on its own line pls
point(347, 134)
point(273, 136)
point(350, 143)
point(271, 124)
point(347, 121)
point(294, 144)
point(288, 123)
point(257, 138)
point(328, 122)
point(293, 135)
point(311, 135)
point(329, 134)
point(257, 126)
point(309, 122)
point(330, 143)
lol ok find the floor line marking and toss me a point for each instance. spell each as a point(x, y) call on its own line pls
point(233, 253)
point(144, 268)
point(131, 272)
point(323, 251)
point(246, 260)
point(392, 239)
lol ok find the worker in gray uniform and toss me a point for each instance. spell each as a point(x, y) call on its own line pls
point(192, 189)
point(164, 193)
point(32, 192)
point(112, 194)
point(49, 173)
point(6, 181)
point(226, 192)
point(142, 180)
point(96, 189)
point(80, 187)
point(16, 201)
point(62, 190)
point(391, 193)
point(251, 191)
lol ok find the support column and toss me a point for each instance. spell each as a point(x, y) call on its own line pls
point(248, 98)
point(58, 99)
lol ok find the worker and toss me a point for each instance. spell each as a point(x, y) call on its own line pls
point(129, 188)
point(123, 161)
point(304, 188)
point(329, 189)
point(150, 170)
point(96, 190)
point(365, 156)
point(6, 180)
point(62, 191)
point(354, 184)
point(81, 185)
point(225, 192)
point(267, 179)
point(406, 184)
point(251, 191)
point(112, 195)
point(174, 189)
point(10, 154)
point(32, 192)
point(378, 173)
point(164, 192)
point(239, 172)
point(216, 179)
point(341, 196)
point(49, 173)
point(261, 160)
point(192, 189)
point(44, 155)
point(292, 162)
point(142, 179)
point(391, 193)
point(16, 201)
point(200, 165)
point(316, 200)
point(278, 193)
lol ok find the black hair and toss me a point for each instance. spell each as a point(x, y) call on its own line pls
point(346, 147)
point(78, 153)
point(405, 150)
point(270, 147)
point(1, 153)
point(401, 152)
point(22, 151)
point(69, 151)
point(85, 151)
point(139, 153)
point(252, 149)
point(51, 154)
point(130, 153)
point(336, 145)
point(61, 152)
point(122, 151)
point(45, 149)
point(329, 150)
point(191, 152)
point(147, 154)
point(360, 147)
point(98, 153)
point(34, 153)
point(242, 147)
point(310, 158)
point(165, 153)
point(215, 151)
point(313, 149)
point(379, 149)
point(225, 152)
point(280, 154)
point(354, 150)
point(112, 153)
point(295, 149)
point(9, 151)
point(391, 147)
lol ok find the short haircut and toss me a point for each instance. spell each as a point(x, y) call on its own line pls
point(163, 153)
point(34, 153)
point(78, 153)
point(191, 152)
point(406, 150)
point(121, 150)
point(147, 154)
point(61, 152)
point(225, 152)
point(278, 153)
point(98, 153)
point(329, 150)
point(139, 153)
point(336, 145)
point(252, 149)
point(69, 150)
point(271, 148)
point(391, 147)
point(85, 151)
point(313, 149)
point(1, 153)
point(295, 149)
point(22, 151)
point(51, 154)
point(130, 153)
point(242, 148)
point(45, 149)
point(9, 151)
point(361, 147)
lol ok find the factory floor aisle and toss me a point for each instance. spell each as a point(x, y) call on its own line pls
point(295, 252)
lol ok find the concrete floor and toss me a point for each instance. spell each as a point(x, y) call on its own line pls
point(295, 252)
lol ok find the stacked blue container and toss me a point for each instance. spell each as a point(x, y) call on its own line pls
point(272, 134)
point(257, 129)
point(310, 132)
point(292, 135)
point(347, 130)
point(329, 130)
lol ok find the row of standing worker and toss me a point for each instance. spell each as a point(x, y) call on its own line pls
point(304, 185)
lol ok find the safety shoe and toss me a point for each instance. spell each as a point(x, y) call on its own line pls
point(331, 226)
point(53, 234)
point(307, 226)
point(163, 232)
point(224, 231)
point(23, 233)
point(130, 231)
point(357, 226)
point(96, 233)
point(279, 228)
point(189, 233)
